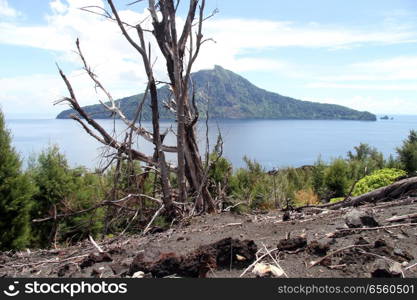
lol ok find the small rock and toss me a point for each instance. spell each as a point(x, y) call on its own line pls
point(381, 268)
point(139, 274)
point(117, 250)
point(240, 257)
point(126, 262)
point(292, 244)
point(396, 268)
point(286, 216)
point(403, 254)
point(267, 270)
point(95, 273)
point(318, 249)
point(155, 230)
point(380, 243)
point(94, 258)
point(400, 236)
point(67, 270)
point(361, 241)
point(357, 219)
point(119, 269)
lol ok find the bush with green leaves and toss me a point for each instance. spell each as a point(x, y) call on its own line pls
point(318, 178)
point(364, 160)
point(377, 180)
point(252, 185)
point(88, 192)
point(63, 190)
point(408, 153)
point(219, 173)
point(16, 191)
point(393, 163)
point(125, 178)
point(336, 178)
point(267, 190)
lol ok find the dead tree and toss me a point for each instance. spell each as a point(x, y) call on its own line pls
point(180, 48)
point(172, 43)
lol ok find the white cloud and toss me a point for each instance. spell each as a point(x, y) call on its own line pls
point(254, 34)
point(374, 104)
point(377, 87)
point(390, 69)
point(110, 56)
point(8, 11)
point(119, 67)
point(396, 74)
point(33, 93)
point(36, 93)
point(58, 7)
point(232, 36)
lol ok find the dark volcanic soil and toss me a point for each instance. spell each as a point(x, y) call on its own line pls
point(312, 229)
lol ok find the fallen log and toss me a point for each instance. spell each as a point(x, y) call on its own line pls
point(388, 193)
point(352, 230)
point(401, 218)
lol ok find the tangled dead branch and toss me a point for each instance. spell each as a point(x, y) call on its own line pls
point(180, 48)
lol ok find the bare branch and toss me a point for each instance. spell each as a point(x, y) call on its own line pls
point(108, 139)
point(145, 231)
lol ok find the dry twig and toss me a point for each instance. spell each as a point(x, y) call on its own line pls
point(275, 261)
point(257, 260)
point(145, 231)
point(317, 262)
point(95, 244)
point(371, 228)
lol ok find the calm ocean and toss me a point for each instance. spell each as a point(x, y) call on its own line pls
point(274, 143)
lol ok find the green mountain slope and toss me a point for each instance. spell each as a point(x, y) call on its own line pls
point(233, 97)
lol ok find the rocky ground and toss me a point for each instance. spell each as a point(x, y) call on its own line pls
point(314, 242)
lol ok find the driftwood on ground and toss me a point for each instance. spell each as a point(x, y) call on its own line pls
point(402, 218)
point(394, 191)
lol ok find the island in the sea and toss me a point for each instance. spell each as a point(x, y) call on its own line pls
point(386, 118)
point(230, 96)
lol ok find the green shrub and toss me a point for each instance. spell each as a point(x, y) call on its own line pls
point(16, 191)
point(363, 161)
point(408, 153)
point(253, 185)
point(376, 180)
point(336, 178)
point(221, 169)
point(65, 190)
point(393, 163)
point(88, 191)
point(267, 191)
point(219, 175)
point(318, 178)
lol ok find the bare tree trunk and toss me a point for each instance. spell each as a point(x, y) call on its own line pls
point(180, 49)
point(160, 155)
point(174, 50)
point(204, 199)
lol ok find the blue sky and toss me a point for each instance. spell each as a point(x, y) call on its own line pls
point(362, 54)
